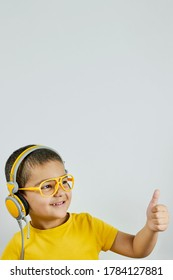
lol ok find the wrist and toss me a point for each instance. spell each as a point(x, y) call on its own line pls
point(150, 228)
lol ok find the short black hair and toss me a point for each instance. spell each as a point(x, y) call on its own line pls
point(36, 157)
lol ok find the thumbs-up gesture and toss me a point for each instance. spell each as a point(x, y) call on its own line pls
point(157, 214)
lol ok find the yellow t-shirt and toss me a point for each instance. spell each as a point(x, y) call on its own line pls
point(82, 237)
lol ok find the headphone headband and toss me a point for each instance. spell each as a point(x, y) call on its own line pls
point(20, 158)
point(12, 184)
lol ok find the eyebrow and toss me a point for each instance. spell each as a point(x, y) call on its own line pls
point(39, 183)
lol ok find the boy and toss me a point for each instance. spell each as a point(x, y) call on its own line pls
point(36, 177)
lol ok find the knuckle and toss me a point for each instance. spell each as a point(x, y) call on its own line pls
point(156, 215)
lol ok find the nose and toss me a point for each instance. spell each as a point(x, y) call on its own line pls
point(59, 191)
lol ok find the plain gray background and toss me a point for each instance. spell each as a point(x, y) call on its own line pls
point(93, 80)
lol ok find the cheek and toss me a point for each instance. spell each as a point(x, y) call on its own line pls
point(69, 196)
point(36, 201)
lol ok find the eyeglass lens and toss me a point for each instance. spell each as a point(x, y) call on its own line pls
point(48, 187)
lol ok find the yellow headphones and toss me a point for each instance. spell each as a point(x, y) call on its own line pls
point(16, 204)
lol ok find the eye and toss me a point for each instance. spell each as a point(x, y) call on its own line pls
point(66, 183)
point(47, 187)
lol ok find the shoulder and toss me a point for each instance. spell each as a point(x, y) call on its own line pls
point(86, 218)
point(16, 237)
point(81, 216)
point(13, 248)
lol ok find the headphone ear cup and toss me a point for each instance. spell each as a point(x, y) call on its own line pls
point(24, 202)
point(17, 206)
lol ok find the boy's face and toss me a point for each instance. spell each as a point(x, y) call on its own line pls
point(47, 212)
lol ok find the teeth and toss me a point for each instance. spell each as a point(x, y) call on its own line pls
point(58, 203)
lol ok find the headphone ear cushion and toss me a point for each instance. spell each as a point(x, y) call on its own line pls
point(24, 201)
point(17, 206)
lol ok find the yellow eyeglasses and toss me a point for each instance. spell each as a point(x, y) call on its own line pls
point(50, 186)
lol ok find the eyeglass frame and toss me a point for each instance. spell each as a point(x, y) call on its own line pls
point(58, 182)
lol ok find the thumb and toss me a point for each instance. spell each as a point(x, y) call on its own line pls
point(154, 199)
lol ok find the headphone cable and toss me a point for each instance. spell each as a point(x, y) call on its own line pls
point(28, 227)
point(22, 239)
point(22, 235)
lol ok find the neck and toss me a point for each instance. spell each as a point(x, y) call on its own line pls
point(48, 224)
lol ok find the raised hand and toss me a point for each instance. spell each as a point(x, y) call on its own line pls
point(157, 214)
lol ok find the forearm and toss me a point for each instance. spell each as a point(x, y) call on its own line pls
point(144, 242)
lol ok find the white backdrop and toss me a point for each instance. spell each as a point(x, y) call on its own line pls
point(93, 80)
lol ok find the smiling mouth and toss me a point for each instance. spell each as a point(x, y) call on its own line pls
point(58, 203)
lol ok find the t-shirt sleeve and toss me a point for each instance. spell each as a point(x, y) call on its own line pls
point(105, 233)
